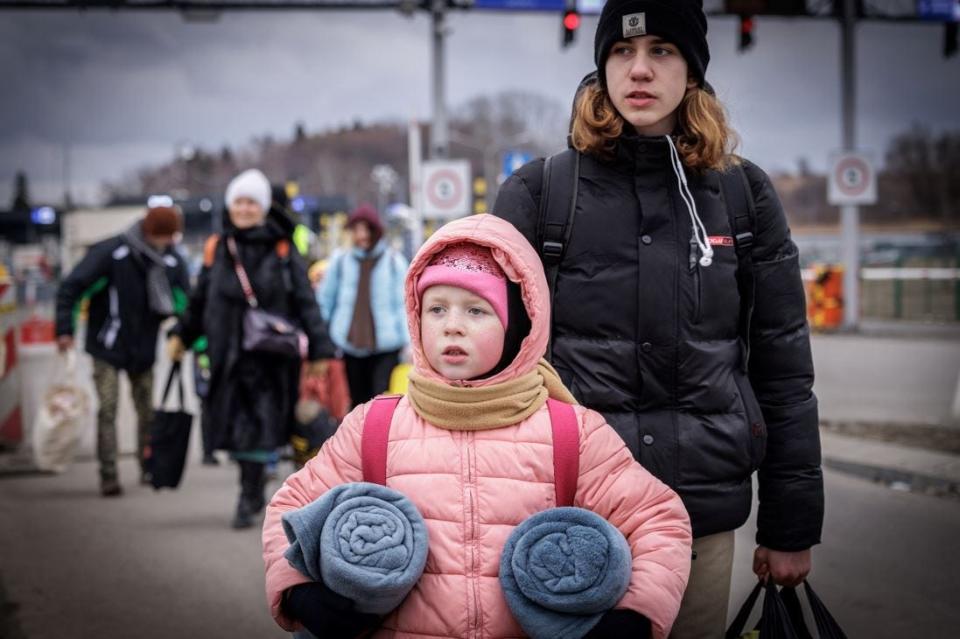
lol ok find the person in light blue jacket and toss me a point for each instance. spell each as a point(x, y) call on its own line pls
point(362, 300)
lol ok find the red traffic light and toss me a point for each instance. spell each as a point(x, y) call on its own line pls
point(571, 20)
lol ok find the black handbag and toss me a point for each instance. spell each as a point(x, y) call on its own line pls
point(782, 616)
point(263, 331)
point(166, 453)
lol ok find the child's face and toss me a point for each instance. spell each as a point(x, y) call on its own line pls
point(461, 334)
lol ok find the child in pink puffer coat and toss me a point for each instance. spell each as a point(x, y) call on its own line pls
point(471, 445)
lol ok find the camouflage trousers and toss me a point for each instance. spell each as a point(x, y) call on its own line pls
point(106, 378)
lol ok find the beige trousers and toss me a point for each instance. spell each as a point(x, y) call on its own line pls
point(703, 611)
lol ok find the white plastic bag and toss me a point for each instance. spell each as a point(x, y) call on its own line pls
point(64, 407)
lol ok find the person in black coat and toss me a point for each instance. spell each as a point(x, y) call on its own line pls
point(251, 394)
point(133, 281)
point(647, 311)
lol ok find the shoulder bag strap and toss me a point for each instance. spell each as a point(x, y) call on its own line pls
point(376, 435)
point(560, 185)
point(174, 373)
point(241, 273)
point(741, 212)
point(566, 451)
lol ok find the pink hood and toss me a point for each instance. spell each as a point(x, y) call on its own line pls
point(519, 262)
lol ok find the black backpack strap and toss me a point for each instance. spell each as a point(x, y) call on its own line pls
point(558, 205)
point(742, 213)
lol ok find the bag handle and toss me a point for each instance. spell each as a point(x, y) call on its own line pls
point(566, 445)
point(174, 373)
point(791, 602)
point(740, 621)
point(241, 273)
point(827, 626)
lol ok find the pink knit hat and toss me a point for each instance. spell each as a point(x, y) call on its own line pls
point(470, 267)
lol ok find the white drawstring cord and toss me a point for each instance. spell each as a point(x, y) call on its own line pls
point(698, 228)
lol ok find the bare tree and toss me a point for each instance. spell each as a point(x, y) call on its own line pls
point(930, 167)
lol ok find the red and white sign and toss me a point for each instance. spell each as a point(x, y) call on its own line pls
point(852, 180)
point(446, 192)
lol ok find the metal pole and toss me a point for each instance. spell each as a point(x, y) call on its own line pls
point(67, 200)
point(413, 161)
point(850, 214)
point(439, 133)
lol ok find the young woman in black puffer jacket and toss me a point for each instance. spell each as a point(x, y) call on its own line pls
point(647, 308)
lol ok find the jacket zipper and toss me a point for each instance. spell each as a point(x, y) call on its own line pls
point(473, 616)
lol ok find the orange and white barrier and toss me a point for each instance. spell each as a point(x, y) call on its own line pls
point(11, 417)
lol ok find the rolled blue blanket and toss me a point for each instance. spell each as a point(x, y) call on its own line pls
point(364, 541)
point(561, 569)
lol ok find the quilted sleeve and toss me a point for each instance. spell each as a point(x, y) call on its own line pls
point(648, 513)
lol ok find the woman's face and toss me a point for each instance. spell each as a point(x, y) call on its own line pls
point(646, 80)
point(246, 213)
point(362, 236)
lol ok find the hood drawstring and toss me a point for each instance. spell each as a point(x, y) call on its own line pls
point(699, 230)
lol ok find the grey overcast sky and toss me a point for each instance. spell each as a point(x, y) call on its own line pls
point(121, 89)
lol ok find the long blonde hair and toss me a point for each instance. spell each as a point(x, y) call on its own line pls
point(705, 140)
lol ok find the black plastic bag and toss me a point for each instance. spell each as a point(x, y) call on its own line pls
point(775, 622)
point(166, 454)
point(827, 626)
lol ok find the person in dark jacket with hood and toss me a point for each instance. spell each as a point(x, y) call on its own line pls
point(133, 281)
point(252, 393)
point(647, 322)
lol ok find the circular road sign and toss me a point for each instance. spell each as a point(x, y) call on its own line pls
point(853, 176)
point(444, 189)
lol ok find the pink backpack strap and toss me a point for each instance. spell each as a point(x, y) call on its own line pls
point(376, 434)
point(566, 450)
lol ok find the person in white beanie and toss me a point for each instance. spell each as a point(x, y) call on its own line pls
point(248, 199)
point(252, 393)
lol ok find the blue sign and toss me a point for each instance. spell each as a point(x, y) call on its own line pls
point(939, 9)
point(43, 215)
point(557, 6)
point(521, 5)
point(513, 160)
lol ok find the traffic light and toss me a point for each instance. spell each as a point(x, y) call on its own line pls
point(571, 22)
point(746, 33)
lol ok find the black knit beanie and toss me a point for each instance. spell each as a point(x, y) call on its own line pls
point(680, 22)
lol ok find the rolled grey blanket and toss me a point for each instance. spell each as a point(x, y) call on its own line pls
point(561, 569)
point(366, 542)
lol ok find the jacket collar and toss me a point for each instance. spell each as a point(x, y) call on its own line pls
point(376, 251)
point(639, 153)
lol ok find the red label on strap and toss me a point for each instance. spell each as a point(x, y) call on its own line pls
point(720, 240)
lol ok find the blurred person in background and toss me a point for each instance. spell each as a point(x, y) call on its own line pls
point(252, 393)
point(324, 399)
point(704, 384)
point(134, 281)
point(362, 298)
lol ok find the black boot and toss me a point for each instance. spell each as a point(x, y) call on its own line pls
point(251, 499)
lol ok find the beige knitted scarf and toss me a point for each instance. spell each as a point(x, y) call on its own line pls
point(486, 407)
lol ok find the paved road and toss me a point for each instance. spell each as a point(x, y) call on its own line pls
point(165, 565)
point(887, 379)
